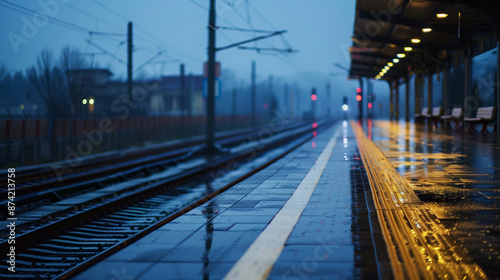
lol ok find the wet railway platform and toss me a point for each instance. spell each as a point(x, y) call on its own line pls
point(314, 214)
point(456, 174)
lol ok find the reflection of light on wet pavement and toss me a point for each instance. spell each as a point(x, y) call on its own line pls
point(419, 246)
point(456, 175)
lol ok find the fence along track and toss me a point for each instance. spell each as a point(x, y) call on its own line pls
point(419, 246)
point(115, 161)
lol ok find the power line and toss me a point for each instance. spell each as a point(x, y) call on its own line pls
point(92, 16)
point(291, 62)
point(62, 23)
point(199, 5)
point(236, 11)
point(267, 49)
point(268, 22)
point(110, 10)
point(246, 30)
point(24, 10)
point(104, 50)
point(251, 25)
point(146, 32)
point(218, 17)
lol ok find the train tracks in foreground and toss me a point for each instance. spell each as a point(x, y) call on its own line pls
point(97, 224)
point(38, 186)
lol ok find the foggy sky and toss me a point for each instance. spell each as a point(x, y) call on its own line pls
point(319, 30)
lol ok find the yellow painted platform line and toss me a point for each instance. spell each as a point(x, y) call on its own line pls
point(259, 259)
point(418, 245)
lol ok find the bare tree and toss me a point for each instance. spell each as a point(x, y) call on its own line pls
point(48, 82)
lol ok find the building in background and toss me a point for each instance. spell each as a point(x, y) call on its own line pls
point(94, 93)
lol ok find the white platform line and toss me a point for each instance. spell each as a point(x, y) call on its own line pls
point(259, 259)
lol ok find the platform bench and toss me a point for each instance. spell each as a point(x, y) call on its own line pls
point(484, 116)
point(435, 114)
point(422, 114)
point(456, 114)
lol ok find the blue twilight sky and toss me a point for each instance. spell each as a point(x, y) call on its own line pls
point(319, 30)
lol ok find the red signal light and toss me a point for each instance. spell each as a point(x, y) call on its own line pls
point(370, 105)
point(358, 90)
point(358, 97)
point(314, 97)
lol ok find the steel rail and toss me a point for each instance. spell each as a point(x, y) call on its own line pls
point(54, 188)
point(177, 147)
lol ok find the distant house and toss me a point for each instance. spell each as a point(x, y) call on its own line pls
point(86, 87)
point(182, 96)
point(91, 77)
point(170, 95)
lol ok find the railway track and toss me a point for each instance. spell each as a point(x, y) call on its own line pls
point(34, 178)
point(37, 187)
point(78, 239)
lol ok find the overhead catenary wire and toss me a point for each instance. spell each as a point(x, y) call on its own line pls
point(152, 38)
point(291, 61)
point(56, 21)
point(29, 12)
point(83, 29)
point(245, 29)
point(229, 23)
point(248, 22)
point(284, 58)
point(269, 23)
point(104, 50)
point(71, 7)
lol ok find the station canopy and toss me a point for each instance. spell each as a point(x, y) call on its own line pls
point(384, 28)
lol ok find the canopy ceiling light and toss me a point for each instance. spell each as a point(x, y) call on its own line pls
point(396, 60)
point(401, 55)
point(408, 49)
point(426, 29)
point(441, 13)
point(415, 40)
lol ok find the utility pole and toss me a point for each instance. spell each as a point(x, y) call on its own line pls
point(129, 59)
point(210, 147)
point(361, 100)
point(329, 101)
point(253, 93)
point(314, 97)
point(285, 101)
point(190, 89)
point(210, 129)
point(233, 117)
point(270, 98)
point(182, 82)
